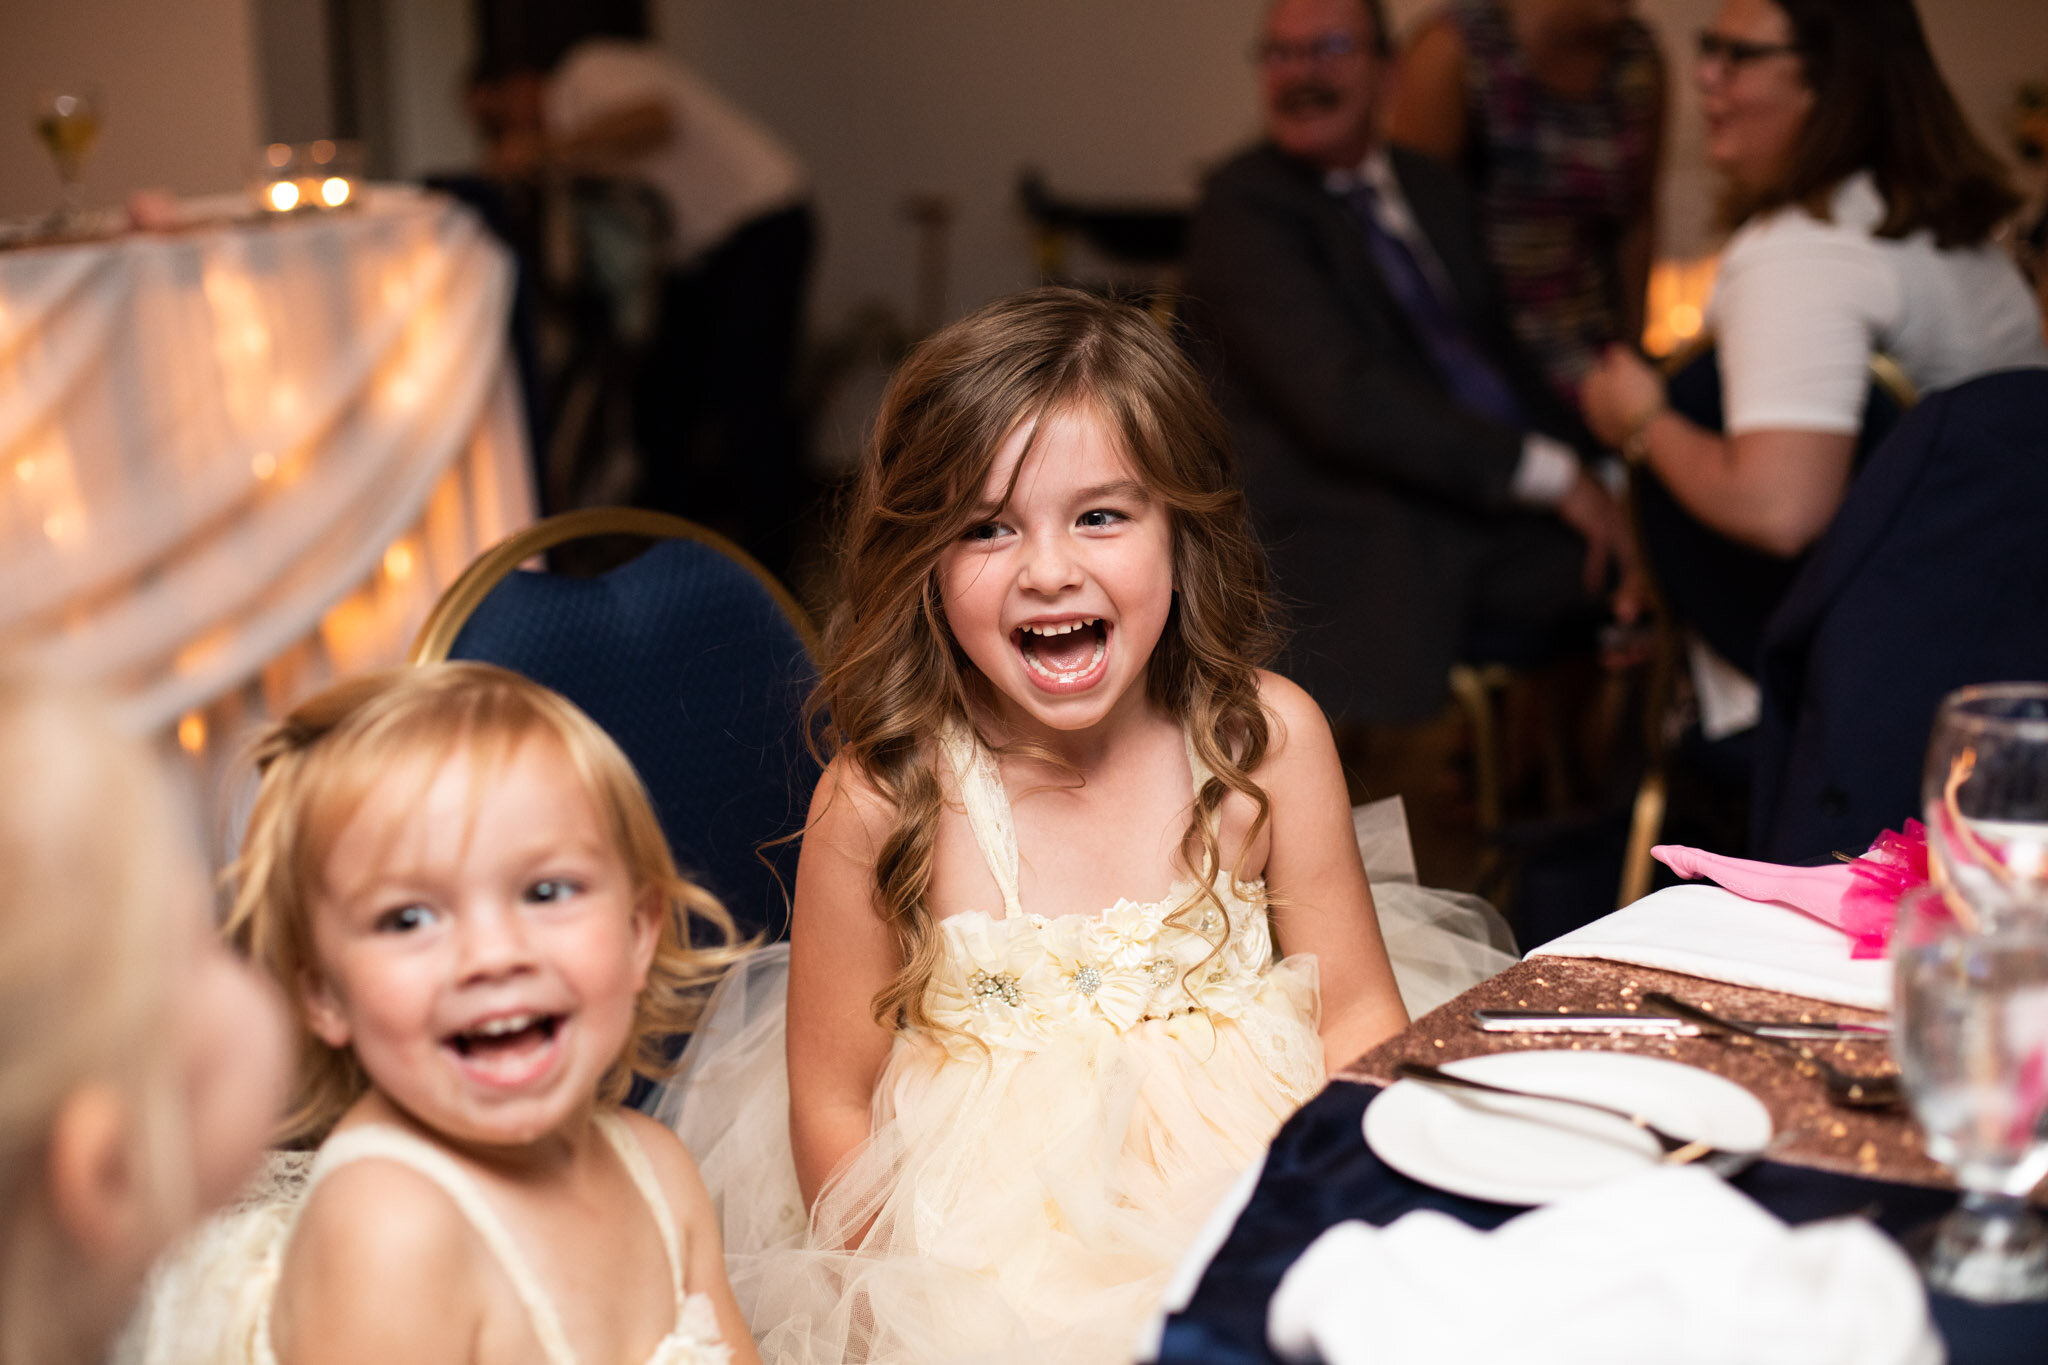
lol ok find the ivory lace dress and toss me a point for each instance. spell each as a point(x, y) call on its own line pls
point(1039, 1163)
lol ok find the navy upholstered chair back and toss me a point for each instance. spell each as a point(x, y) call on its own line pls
point(696, 663)
point(1933, 575)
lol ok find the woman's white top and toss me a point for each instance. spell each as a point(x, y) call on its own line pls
point(1800, 305)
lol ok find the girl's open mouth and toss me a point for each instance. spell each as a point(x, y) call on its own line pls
point(1064, 656)
point(507, 1050)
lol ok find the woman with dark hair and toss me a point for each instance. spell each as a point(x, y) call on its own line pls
point(1863, 207)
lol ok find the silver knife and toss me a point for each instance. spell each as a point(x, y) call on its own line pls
point(1648, 1021)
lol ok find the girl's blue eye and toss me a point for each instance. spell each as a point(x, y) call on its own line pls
point(551, 889)
point(404, 920)
point(1100, 517)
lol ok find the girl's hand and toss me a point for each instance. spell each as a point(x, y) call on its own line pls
point(1619, 394)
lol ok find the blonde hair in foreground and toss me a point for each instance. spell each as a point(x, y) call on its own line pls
point(317, 765)
point(894, 677)
point(88, 945)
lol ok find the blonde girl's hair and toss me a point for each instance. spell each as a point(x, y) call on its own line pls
point(316, 767)
point(89, 944)
point(894, 677)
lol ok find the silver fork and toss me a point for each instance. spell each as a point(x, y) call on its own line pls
point(1678, 1151)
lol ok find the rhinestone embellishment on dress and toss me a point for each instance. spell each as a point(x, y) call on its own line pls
point(997, 986)
point(1087, 980)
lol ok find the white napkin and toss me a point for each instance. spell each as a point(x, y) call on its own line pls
point(1670, 1266)
point(1706, 931)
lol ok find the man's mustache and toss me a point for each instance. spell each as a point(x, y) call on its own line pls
point(1308, 97)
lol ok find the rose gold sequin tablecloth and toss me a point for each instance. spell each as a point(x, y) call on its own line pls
point(1882, 1144)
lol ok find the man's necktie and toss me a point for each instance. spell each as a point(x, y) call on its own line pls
point(1473, 380)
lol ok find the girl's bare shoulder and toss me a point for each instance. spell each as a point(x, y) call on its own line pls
point(1296, 725)
point(848, 806)
point(380, 1257)
point(673, 1168)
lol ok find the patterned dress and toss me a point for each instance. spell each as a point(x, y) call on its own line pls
point(1559, 181)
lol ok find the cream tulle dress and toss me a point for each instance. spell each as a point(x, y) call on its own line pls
point(1039, 1164)
point(209, 1303)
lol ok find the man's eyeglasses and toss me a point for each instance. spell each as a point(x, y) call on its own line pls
point(1718, 47)
point(1328, 47)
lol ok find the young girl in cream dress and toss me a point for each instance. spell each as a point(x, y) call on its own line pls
point(456, 878)
point(1080, 917)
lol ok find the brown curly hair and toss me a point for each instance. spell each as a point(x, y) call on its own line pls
point(316, 767)
point(894, 677)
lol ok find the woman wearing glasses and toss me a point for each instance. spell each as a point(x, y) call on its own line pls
point(1554, 111)
point(1863, 208)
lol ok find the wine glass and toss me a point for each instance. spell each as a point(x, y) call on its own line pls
point(67, 120)
point(1985, 799)
point(1970, 1035)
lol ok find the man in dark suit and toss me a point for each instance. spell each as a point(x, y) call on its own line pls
point(1416, 483)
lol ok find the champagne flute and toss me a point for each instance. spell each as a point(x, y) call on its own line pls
point(67, 120)
point(1970, 1035)
point(1985, 799)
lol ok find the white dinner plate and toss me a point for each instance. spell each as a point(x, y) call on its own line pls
point(1515, 1151)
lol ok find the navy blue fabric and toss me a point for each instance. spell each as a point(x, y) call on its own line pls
point(1320, 1173)
point(687, 661)
point(1934, 574)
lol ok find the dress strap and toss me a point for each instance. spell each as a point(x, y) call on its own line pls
point(988, 808)
point(634, 1158)
point(382, 1142)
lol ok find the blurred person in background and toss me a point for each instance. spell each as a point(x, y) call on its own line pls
point(1412, 475)
point(1863, 206)
point(1554, 112)
point(715, 421)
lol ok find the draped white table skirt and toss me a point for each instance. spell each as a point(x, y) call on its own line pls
point(238, 459)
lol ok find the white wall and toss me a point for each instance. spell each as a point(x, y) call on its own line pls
point(885, 99)
point(1117, 98)
point(178, 82)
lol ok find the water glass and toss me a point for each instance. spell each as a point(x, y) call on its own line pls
point(1985, 799)
point(1970, 1034)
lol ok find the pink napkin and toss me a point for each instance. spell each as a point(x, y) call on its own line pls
point(1860, 897)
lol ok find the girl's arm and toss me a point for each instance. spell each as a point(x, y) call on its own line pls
point(703, 1254)
point(840, 956)
point(381, 1266)
point(1316, 875)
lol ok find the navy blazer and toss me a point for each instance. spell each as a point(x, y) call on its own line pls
point(1933, 575)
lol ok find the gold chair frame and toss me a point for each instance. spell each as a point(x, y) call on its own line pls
point(462, 597)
